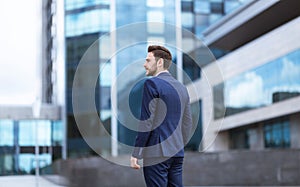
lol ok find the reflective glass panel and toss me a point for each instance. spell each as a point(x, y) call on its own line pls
point(270, 83)
point(88, 22)
point(277, 134)
point(27, 162)
point(30, 130)
point(6, 133)
point(155, 3)
point(57, 133)
point(187, 19)
point(75, 4)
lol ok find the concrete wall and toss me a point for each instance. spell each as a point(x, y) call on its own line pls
point(244, 168)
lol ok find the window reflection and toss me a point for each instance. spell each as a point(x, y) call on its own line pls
point(27, 162)
point(18, 140)
point(272, 82)
point(6, 133)
point(75, 4)
point(27, 132)
point(277, 134)
point(88, 22)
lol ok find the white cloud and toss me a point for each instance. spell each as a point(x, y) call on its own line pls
point(290, 72)
point(248, 91)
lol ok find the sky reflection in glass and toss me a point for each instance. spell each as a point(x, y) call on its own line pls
point(270, 83)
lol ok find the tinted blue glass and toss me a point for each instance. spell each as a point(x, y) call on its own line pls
point(6, 133)
point(286, 133)
point(88, 22)
point(201, 6)
point(270, 83)
point(214, 10)
point(75, 4)
point(28, 134)
point(277, 134)
point(231, 5)
point(27, 162)
point(57, 133)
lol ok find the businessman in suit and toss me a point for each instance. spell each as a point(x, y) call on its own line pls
point(165, 122)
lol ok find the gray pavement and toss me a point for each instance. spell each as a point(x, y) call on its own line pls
point(25, 181)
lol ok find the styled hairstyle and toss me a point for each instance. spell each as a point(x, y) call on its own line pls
point(161, 52)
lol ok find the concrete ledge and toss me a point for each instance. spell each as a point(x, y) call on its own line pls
point(233, 168)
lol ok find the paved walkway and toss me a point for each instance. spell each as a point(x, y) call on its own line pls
point(25, 181)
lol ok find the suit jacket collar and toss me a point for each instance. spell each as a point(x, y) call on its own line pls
point(165, 73)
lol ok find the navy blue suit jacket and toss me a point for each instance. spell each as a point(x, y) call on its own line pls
point(165, 121)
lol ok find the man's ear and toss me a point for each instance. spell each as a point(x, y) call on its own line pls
point(160, 62)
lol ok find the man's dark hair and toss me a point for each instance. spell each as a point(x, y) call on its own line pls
point(161, 52)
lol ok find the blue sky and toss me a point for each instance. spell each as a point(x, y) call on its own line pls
point(18, 52)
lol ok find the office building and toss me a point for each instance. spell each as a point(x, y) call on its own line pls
point(251, 94)
point(27, 130)
point(90, 26)
point(247, 80)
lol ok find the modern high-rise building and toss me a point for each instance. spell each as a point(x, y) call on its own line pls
point(127, 27)
point(38, 129)
point(243, 78)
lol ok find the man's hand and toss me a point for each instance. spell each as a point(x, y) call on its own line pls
point(134, 163)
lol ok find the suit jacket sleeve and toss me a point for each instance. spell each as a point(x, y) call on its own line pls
point(187, 123)
point(146, 119)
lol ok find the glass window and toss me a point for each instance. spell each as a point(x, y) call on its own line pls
point(231, 5)
point(27, 133)
point(187, 19)
point(155, 3)
point(57, 133)
point(6, 133)
point(187, 6)
point(216, 8)
point(75, 4)
point(202, 22)
point(270, 83)
point(277, 134)
point(202, 6)
point(27, 162)
point(88, 22)
point(155, 16)
point(239, 139)
point(6, 164)
point(214, 17)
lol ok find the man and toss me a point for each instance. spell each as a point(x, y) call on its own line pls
point(165, 122)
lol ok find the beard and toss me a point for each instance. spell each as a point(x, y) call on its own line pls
point(151, 72)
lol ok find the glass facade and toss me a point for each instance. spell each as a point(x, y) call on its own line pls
point(87, 21)
point(270, 83)
point(78, 4)
point(196, 16)
point(277, 134)
point(239, 138)
point(18, 141)
point(274, 134)
point(145, 12)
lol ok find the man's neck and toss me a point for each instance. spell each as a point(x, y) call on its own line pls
point(163, 71)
